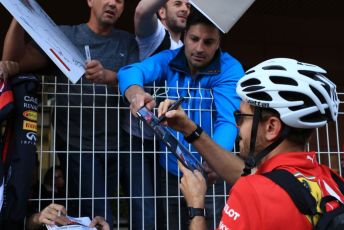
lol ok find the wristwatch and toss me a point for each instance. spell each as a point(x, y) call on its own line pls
point(196, 212)
point(194, 135)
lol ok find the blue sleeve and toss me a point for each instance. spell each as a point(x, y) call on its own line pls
point(226, 102)
point(145, 72)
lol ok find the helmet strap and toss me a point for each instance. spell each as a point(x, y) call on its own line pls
point(251, 160)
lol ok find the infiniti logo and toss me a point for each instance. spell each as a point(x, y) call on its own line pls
point(31, 136)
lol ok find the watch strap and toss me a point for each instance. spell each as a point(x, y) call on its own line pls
point(194, 135)
point(196, 212)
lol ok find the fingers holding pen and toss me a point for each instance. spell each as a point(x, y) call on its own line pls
point(164, 106)
point(52, 214)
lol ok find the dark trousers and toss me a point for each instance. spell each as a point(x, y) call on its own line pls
point(92, 177)
point(140, 180)
point(175, 207)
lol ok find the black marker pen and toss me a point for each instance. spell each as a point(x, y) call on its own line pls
point(172, 107)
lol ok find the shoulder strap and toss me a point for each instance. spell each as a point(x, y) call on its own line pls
point(301, 197)
point(339, 182)
point(165, 44)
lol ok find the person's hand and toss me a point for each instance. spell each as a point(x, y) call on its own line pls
point(138, 98)
point(100, 223)
point(95, 72)
point(176, 119)
point(53, 214)
point(8, 68)
point(211, 174)
point(193, 186)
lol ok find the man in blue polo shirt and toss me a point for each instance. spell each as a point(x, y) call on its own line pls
point(203, 74)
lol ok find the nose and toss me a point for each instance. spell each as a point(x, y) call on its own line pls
point(200, 47)
point(112, 3)
point(185, 7)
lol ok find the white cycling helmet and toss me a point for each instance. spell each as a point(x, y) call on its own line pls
point(299, 92)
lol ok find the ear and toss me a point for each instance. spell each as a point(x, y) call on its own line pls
point(162, 13)
point(90, 3)
point(273, 127)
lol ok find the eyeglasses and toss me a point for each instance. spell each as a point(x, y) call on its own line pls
point(239, 117)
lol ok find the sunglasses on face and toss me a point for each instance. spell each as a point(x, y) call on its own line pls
point(239, 117)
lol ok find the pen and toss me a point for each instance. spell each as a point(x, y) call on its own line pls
point(172, 107)
point(88, 53)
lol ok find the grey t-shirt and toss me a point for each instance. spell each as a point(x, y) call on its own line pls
point(99, 115)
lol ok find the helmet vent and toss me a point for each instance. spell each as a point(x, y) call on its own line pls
point(326, 86)
point(296, 108)
point(314, 117)
point(261, 96)
point(309, 74)
point(295, 96)
point(305, 64)
point(249, 72)
point(318, 94)
point(253, 88)
point(250, 82)
point(283, 80)
point(273, 67)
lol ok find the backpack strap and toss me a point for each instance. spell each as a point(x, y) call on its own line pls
point(339, 182)
point(332, 219)
point(300, 195)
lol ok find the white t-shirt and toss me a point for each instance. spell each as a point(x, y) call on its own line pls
point(148, 45)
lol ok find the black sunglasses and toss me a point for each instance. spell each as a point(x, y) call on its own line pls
point(239, 117)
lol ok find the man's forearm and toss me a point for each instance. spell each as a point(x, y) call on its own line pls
point(145, 17)
point(14, 44)
point(224, 163)
point(111, 77)
point(132, 91)
point(28, 56)
point(198, 223)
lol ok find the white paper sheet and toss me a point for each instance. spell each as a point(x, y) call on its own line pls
point(223, 13)
point(48, 36)
point(83, 222)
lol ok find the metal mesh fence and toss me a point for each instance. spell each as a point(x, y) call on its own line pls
point(119, 170)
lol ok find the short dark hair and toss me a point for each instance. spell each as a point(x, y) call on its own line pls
point(195, 17)
point(297, 136)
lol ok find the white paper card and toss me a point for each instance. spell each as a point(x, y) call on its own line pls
point(48, 36)
point(82, 223)
point(223, 13)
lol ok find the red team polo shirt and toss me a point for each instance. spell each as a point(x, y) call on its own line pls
point(255, 202)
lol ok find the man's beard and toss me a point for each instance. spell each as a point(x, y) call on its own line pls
point(173, 25)
point(246, 149)
point(107, 22)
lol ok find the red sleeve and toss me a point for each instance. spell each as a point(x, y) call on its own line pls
point(241, 209)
